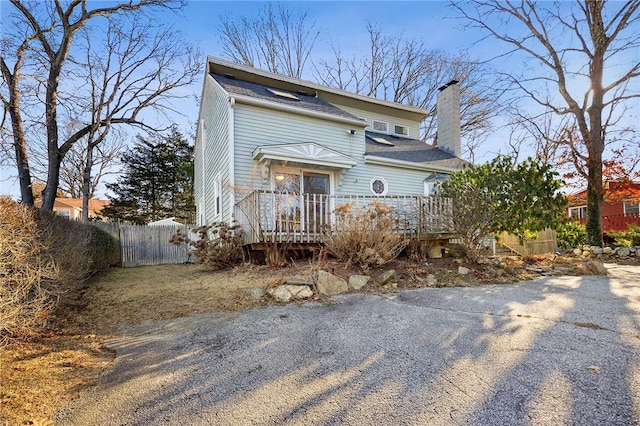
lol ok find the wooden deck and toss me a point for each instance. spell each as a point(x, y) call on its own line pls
point(271, 216)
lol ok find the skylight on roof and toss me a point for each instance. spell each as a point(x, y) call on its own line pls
point(282, 94)
point(382, 141)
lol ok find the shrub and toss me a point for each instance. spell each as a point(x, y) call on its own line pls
point(570, 235)
point(628, 238)
point(364, 237)
point(219, 246)
point(27, 275)
point(43, 258)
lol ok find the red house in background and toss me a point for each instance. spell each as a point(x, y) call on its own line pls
point(621, 205)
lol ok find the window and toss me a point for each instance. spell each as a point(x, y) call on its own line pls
point(380, 126)
point(217, 196)
point(578, 212)
point(401, 130)
point(379, 186)
point(631, 208)
point(431, 188)
point(64, 213)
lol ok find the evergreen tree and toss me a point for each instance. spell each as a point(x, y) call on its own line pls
point(157, 181)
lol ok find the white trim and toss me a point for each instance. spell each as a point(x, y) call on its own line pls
point(203, 154)
point(315, 155)
point(386, 126)
point(246, 100)
point(300, 171)
point(395, 126)
point(232, 146)
point(384, 182)
point(579, 209)
point(624, 207)
point(382, 161)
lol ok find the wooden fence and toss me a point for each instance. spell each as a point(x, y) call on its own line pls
point(545, 243)
point(142, 245)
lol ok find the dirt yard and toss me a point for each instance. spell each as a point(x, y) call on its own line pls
point(40, 376)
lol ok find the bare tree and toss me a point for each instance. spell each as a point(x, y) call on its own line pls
point(146, 66)
point(567, 46)
point(104, 157)
point(405, 71)
point(277, 40)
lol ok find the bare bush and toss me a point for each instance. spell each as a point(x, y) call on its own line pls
point(43, 259)
point(27, 275)
point(364, 237)
point(219, 245)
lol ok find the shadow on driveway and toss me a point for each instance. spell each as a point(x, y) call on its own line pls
point(559, 350)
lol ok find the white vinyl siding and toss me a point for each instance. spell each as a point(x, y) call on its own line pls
point(399, 181)
point(213, 148)
point(258, 127)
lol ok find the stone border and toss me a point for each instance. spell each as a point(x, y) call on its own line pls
point(608, 252)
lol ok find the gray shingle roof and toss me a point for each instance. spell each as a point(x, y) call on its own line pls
point(259, 91)
point(413, 150)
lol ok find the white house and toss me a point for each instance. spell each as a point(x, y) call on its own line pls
point(278, 154)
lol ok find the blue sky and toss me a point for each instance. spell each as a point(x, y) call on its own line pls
point(342, 23)
point(339, 22)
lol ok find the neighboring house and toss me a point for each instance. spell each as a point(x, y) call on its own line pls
point(71, 208)
point(621, 206)
point(278, 154)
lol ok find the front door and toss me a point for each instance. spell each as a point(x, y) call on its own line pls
point(305, 205)
point(316, 188)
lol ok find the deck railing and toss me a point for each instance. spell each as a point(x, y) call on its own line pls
point(617, 222)
point(272, 216)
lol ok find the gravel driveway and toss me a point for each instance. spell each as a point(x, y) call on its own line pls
point(559, 350)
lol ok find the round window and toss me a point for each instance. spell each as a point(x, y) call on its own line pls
point(378, 186)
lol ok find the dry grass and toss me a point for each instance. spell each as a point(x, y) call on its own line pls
point(37, 378)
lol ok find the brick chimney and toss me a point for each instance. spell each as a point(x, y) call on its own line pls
point(448, 111)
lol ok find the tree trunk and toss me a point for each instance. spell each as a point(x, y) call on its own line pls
point(594, 206)
point(86, 183)
point(595, 136)
point(22, 160)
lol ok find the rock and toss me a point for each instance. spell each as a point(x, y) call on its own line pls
point(586, 253)
point(596, 250)
point(607, 250)
point(577, 252)
point(596, 267)
point(388, 277)
point(463, 271)
point(280, 293)
point(623, 252)
point(431, 280)
point(255, 293)
point(356, 282)
point(330, 285)
point(301, 291)
point(286, 292)
point(299, 281)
